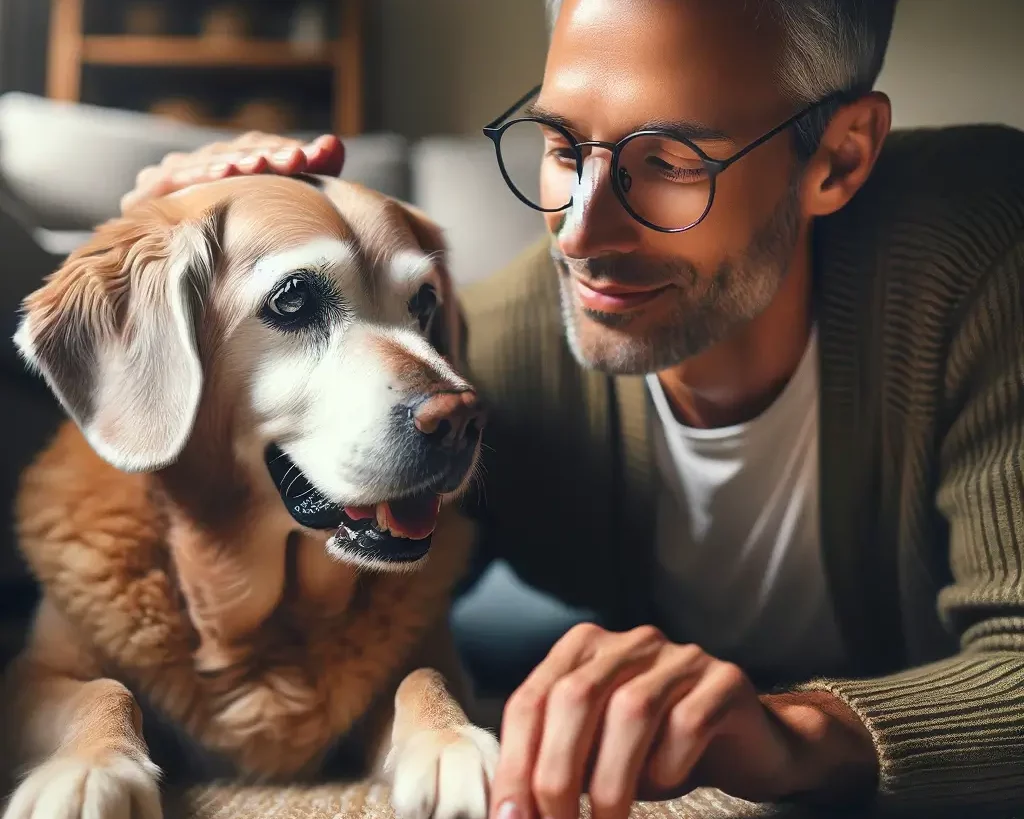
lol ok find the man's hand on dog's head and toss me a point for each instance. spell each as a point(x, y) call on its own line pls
point(249, 153)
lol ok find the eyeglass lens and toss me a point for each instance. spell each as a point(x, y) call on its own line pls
point(664, 181)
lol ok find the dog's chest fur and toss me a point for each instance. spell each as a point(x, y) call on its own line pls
point(294, 686)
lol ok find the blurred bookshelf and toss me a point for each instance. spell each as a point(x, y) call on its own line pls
point(272, 65)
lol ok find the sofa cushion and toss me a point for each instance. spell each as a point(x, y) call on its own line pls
point(457, 182)
point(69, 164)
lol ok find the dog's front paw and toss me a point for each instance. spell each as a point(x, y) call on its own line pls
point(443, 774)
point(73, 787)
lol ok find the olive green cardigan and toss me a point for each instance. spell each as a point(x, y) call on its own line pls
point(919, 294)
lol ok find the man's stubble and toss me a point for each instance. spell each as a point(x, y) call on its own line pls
point(706, 309)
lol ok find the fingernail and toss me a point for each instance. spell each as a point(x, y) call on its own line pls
point(508, 810)
point(248, 162)
point(220, 167)
point(284, 156)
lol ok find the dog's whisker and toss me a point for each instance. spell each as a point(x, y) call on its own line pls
point(476, 479)
point(298, 476)
point(284, 478)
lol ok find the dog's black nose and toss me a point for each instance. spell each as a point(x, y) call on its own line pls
point(450, 419)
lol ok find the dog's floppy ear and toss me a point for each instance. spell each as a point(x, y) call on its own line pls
point(448, 335)
point(113, 333)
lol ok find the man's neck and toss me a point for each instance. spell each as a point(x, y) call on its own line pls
point(739, 378)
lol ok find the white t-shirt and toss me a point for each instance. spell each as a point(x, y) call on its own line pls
point(738, 553)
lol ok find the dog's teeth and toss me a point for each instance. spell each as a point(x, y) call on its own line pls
point(382, 517)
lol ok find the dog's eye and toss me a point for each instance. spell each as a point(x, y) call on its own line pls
point(424, 305)
point(291, 302)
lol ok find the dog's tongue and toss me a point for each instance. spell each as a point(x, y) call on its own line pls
point(412, 518)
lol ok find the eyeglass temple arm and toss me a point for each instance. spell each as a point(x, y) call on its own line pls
point(518, 104)
point(838, 96)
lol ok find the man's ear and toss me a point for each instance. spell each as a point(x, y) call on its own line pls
point(114, 334)
point(846, 154)
point(448, 335)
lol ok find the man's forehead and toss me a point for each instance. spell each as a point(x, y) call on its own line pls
point(618, 64)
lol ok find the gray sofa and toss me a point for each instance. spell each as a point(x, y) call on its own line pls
point(63, 169)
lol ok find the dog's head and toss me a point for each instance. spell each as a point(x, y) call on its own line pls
point(306, 329)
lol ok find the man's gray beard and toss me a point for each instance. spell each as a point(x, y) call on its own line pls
point(707, 309)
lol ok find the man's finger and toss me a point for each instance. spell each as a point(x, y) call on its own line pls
point(253, 164)
point(523, 724)
point(251, 138)
point(286, 160)
point(635, 713)
point(691, 724)
point(155, 187)
point(575, 708)
point(325, 155)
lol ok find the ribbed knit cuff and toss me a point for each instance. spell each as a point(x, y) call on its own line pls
point(951, 731)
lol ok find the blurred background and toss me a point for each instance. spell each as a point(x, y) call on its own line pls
point(446, 66)
point(91, 91)
point(410, 82)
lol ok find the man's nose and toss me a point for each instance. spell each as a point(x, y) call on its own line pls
point(596, 224)
point(450, 420)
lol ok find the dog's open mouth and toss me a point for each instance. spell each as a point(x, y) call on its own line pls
point(393, 531)
point(410, 518)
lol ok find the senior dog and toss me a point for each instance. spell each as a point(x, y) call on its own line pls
point(243, 533)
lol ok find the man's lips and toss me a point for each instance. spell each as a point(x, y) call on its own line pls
point(610, 298)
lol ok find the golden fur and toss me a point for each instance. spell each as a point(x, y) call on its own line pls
point(183, 588)
point(101, 545)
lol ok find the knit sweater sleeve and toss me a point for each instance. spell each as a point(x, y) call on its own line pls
point(953, 731)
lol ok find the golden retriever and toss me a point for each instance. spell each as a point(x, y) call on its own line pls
point(244, 534)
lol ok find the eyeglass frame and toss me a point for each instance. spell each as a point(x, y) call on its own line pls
point(494, 131)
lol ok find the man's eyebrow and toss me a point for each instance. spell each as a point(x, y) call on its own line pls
point(687, 129)
point(684, 129)
point(535, 110)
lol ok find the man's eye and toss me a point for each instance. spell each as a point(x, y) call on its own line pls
point(677, 170)
point(563, 155)
point(293, 302)
point(423, 306)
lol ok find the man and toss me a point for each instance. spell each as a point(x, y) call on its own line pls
point(786, 428)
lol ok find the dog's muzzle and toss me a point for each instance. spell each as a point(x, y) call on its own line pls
point(437, 439)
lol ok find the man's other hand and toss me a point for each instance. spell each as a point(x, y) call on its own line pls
point(249, 153)
point(626, 716)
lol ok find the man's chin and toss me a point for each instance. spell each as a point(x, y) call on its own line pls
point(608, 346)
point(645, 340)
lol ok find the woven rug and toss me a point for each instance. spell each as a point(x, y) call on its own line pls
point(360, 801)
point(371, 802)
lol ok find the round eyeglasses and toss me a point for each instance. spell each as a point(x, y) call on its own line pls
point(662, 179)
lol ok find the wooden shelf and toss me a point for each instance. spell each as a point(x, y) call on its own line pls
point(70, 49)
point(198, 51)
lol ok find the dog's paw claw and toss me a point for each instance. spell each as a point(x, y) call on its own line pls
point(70, 787)
point(443, 774)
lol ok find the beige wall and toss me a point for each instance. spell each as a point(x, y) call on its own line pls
point(447, 66)
point(450, 66)
point(956, 61)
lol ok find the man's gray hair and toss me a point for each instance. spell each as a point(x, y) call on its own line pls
point(831, 45)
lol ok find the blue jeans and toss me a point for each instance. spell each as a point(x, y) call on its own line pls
point(504, 628)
